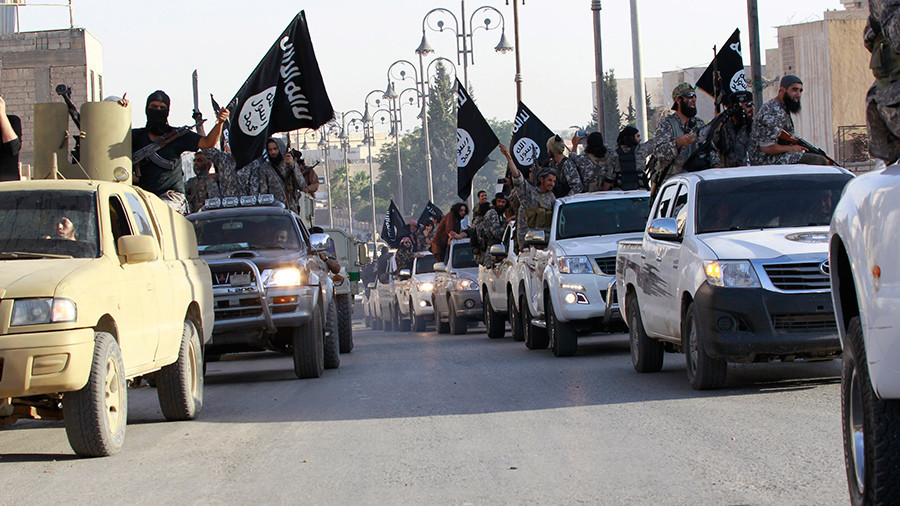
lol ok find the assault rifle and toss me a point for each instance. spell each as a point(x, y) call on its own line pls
point(786, 137)
point(66, 93)
point(146, 151)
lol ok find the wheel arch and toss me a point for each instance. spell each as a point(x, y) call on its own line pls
point(686, 300)
point(846, 302)
point(107, 323)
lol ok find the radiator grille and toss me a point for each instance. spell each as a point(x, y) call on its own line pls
point(803, 322)
point(798, 277)
point(607, 265)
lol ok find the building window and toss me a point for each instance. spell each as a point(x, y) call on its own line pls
point(100, 85)
point(93, 90)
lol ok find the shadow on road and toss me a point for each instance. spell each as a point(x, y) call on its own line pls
point(18, 458)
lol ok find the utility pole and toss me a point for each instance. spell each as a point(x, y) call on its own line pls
point(755, 65)
point(598, 61)
point(518, 58)
point(640, 96)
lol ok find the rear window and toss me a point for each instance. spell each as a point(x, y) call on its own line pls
point(48, 223)
point(218, 234)
point(425, 264)
point(602, 217)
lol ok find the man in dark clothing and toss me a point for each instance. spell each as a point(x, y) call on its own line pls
point(10, 136)
point(159, 174)
point(382, 262)
point(405, 255)
point(734, 138)
point(203, 185)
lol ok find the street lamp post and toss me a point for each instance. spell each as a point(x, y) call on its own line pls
point(395, 73)
point(345, 146)
point(327, 129)
point(424, 49)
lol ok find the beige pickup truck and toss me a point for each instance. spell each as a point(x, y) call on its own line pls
point(100, 283)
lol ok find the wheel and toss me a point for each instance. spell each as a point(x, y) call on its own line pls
point(345, 322)
point(376, 323)
point(416, 321)
point(535, 337)
point(309, 348)
point(458, 325)
point(563, 340)
point(704, 372)
point(441, 327)
point(95, 416)
point(646, 353)
point(332, 346)
point(387, 324)
point(515, 320)
point(401, 324)
point(179, 386)
point(870, 429)
point(493, 321)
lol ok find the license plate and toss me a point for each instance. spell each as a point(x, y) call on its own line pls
point(240, 279)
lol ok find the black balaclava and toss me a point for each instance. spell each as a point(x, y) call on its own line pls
point(158, 119)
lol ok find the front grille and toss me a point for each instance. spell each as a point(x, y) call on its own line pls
point(224, 278)
point(243, 308)
point(798, 277)
point(607, 265)
point(803, 322)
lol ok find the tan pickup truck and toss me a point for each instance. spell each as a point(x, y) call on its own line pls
point(100, 283)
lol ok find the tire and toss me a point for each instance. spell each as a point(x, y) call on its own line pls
point(402, 324)
point(535, 337)
point(332, 345)
point(345, 322)
point(179, 386)
point(417, 322)
point(646, 353)
point(493, 321)
point(309, 348)
point(563, 340)
point(96, 415)
point(515, 320)
point(376, 323)
point(440, 326)
point(458, 325)
point(871, 431)
point(704, 372)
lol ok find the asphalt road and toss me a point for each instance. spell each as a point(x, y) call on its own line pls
point(413, 418)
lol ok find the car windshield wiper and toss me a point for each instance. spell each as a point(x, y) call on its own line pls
point(7, 255)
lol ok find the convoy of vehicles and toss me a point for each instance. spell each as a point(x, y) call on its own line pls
point(456, 298)
point(412, 301)
point(498, 283)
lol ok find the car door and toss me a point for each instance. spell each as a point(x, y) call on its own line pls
point(669, 261)
point(656, 284)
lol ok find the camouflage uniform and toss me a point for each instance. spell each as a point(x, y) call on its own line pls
point(226, 174)
point(592, 173)
point(614, 167)
point(882, 39)
point(278, 180)
point(198, 189)
point(667, 153)
point(404, 259)
point(529, 196)
point(734, 144)
point(771, 119)
point(493, 226)
point(568, 172)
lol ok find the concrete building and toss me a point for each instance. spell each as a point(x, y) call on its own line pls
point(34, 63)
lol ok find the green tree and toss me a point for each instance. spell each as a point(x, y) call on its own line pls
point(612, 123)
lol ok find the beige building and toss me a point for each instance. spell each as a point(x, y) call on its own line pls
point(34, 63)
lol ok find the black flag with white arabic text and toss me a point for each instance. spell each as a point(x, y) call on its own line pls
point(474, 141)
point(529, 140)
point(730, 63)
point(394, 227)
point(431, 212)
point(285, 92)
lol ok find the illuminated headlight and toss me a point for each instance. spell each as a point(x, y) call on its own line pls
point(574, 265)
point(40, 311)
point(284, 276)
point(466, 284)
point(423, 303)
point(425, 286)
point(738, 274)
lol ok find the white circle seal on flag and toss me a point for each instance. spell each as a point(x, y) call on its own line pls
point(739, 81)
point(526, 151)
point(465, 147)
point(256, 112)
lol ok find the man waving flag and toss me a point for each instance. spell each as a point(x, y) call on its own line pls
point(474, 141)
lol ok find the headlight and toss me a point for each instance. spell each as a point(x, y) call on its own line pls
point(284, 276)
point(425, 286)
point(574, 265)
point(466, 284)
point(41, 311)
point(738, 274)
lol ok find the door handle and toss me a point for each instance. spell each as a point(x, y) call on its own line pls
point(659, 258)
point(643, 256)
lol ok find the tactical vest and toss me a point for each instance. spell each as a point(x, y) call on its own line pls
point(679, 130)
point(628, 177)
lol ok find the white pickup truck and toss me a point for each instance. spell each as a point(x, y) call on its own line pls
point(498, 282)
point(567, 277)
point(865, 283)
point(413, 294)
point(733, 267)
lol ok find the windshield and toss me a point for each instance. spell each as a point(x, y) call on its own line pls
point(48, 224)
point(463, 256)
point(602, 217)
point(424, 264)
point(768, 202)
point(262, 231)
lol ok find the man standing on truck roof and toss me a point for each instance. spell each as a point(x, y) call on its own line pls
point(535, 201)
point(676, 135)
point(10, 143)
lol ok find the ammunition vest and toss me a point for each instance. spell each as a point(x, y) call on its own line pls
point(628, 177)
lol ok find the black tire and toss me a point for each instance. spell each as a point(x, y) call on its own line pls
point(332, 342)
point(387, 324)
point(367, 320)
point(417, 322)
point(515, 319)
point(871, 431)
point(376, 323)
point(179, 386)
point(402, 324)
point(563, 339)
point(458, 325)
point(345, 322)
point(441, 327)
point(493, 321)
point(96, 415)
point(535, 337)
point(309, 348)
point(646, 354)
point(704, 372)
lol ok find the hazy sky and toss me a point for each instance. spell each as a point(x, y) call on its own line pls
point(156, 45)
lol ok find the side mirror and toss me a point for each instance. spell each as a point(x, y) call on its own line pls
point(536, 237)
point(318, 242)
point(404, 274)
point(664, 229)
point(370, 286)
point(137, 248)
point(440, 267)
point(363, 253)
point(498, 250)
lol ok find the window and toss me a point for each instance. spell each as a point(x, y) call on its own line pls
point(424, 264)
point(139, 214)
point(49, 222)
point(93, 88)
point(665, 201)
point(118, 220)
point(100, 85)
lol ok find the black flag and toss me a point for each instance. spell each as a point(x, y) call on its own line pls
point(730, 63)
point(285, 92)
point(225, 128)
point(430, 212)
point(394, 228)
point(529, 140)
point(474, 141)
